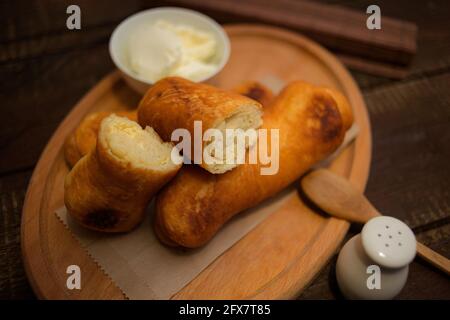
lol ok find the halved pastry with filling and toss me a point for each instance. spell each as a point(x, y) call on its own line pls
point(176, 103)
point(109, 188)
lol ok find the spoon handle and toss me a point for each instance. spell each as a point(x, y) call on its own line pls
point(336, 196)
point(434, 258)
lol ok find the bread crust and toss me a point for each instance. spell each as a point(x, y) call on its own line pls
point(196, 204)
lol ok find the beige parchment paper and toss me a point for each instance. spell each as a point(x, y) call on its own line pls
point(143, 268)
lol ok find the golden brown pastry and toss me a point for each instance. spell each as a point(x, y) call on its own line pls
point(83, 138)
point(109, 188)
point(174, 103)
point(255, 91)
point(312, 122)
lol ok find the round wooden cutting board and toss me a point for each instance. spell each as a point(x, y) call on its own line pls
point(277, 259)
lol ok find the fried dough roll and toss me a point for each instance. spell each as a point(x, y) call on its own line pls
point(312, 122)
point(176, 103)
point(109, 188)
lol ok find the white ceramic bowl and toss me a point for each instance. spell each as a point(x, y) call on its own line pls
point(119, 40)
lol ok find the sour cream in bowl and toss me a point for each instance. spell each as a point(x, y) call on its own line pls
point(161, 42)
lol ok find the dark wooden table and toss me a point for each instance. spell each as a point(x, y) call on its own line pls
point(45, 69)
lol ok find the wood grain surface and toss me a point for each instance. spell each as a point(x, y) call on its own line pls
point(45, 69)
point(387, 52)
point(275, 260)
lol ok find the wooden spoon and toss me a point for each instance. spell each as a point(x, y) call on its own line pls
point(336, 196)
